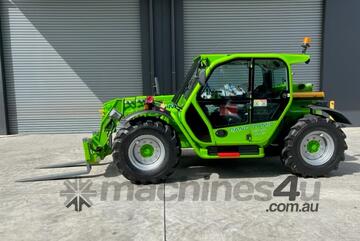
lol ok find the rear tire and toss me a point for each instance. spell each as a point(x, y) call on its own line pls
point(314, 147)
point(146, 152)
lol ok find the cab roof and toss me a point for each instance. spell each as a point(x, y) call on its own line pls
point(288, 58)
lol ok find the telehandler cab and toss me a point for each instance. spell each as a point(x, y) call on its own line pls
point(241, 105)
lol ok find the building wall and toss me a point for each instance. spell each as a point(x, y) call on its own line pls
point(63, 59)
point(162, 46)
point(253, 26)
point(341, 53)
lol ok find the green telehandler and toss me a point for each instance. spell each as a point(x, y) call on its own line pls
point(241, 105)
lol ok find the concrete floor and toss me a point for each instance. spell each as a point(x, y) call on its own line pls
point(36, 211)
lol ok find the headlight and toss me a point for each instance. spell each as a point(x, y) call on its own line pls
point(115, 115)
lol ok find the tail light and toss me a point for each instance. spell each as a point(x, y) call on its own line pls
point(149, 102)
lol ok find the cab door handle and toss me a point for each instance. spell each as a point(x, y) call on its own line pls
point(221, 133)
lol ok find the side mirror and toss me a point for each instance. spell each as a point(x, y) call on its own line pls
point(202, 77)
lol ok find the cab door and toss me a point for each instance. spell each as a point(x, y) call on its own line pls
point(244, 101)
point(226, 101)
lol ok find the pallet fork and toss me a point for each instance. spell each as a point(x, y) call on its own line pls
point(70, 175)
point(90, 160)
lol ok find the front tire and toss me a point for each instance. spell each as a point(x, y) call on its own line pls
point(314, 147)
point(147, 152)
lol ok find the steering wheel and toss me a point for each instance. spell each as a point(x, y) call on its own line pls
point(260, 92)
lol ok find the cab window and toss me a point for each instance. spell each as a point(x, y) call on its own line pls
point(270, 89)
point(225, 97)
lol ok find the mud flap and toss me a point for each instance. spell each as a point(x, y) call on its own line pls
point(325, 111)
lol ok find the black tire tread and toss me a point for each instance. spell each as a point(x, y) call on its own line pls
point(163, 129)
point(288, 158)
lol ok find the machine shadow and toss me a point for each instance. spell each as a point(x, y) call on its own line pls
point(194, 168)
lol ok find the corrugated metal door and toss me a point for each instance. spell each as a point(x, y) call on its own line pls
point(214, 26)
point(64, 58)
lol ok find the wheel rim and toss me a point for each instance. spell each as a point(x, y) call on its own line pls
point(146, 152)
point(317, 148)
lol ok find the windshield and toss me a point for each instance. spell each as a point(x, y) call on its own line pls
point(190, 82)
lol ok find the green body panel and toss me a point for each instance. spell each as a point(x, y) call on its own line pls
point(262, 134)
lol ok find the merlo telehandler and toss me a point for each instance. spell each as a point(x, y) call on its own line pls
point(240, 105)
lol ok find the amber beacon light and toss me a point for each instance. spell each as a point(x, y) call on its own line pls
point(306, 44)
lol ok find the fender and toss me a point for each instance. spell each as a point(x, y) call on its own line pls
point(152, 113)
point(326, 112)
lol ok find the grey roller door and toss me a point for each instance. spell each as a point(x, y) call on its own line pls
point(214, 26)
point(64, 58)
